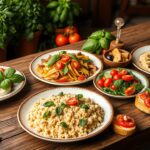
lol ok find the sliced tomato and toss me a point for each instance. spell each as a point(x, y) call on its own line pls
point(100, 82)
point(130, 91)
point(117, 77)
point(65, 58)
point(63, 79)
point(127, 77)
point(59, 65)
point(147, 102)
point(81, 78)
point(113, 87)
point(75, 64)
point(123, 72)
point(125, 121)
point(113, 72)
point(72, 101)
point(107, 82)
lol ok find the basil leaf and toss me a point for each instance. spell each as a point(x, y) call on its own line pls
point(82, 122)
point(61, 94)
point(84, 106)
point(97, 35)
point(49, 104)
point(9, 72)
point(16, 78)
point(73, 56)
point(62, 52)
point(109, 36)
point(65, 70)
point(53, 59)
point(104, 43)
point(118, 83)
point(79, 96)
point(86, 60)
point(101, 75)
point(1, 76)
point(63, 105)
point(46, 114)
point(58, 111)
point(5, 84)
point(138, 86)
point(64, 125)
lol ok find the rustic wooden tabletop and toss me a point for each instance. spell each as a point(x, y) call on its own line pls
point(13, 137)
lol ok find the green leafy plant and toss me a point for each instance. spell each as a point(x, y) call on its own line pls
point(63, 12)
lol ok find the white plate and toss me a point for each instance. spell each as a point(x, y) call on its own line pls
point(97, 62)
point(140, 76)
point(17, 87)
point(136, 55)
point(100, 100)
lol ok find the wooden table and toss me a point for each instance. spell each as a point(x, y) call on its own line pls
point(14, 138)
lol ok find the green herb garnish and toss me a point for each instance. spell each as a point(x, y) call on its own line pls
point(58, 111)
point(79, 96)
point(82, 122)
point(118, 83)
point(65, 70)
point(46, 114)
point(84, 106)
point(73, 56)
point(61, 94)
point(64, 125)
point(63, 105)
point(53, 59)
point(49, 104)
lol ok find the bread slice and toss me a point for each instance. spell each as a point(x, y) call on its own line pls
point(139, 103)
point(117, 55)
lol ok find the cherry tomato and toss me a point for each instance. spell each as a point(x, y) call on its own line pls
point(125, 121)
point(2, 69)
point(103, 78)
point(100, 82)
point(147, 102)
point(130, 91)
point(113, 72)
point(117, 77)
point(81, 78)
point(123, 72)
point(127, 77)
point(59, 65)
point(61, 40)
point(75, 64)
point(107, 82)
point(113, 87)
point(73, 38)
point(71, 29)
point(63, 79)
point(65, 58)
point(72, 101)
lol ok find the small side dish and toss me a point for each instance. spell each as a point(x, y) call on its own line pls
point(119, 81)
point(142, 101)
point(66, 67)
point(65, 116)
point(8, 79)
point(124, 125)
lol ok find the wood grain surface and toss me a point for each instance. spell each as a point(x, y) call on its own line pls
point(12, 137)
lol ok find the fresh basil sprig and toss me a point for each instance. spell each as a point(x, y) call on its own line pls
point(49, 104)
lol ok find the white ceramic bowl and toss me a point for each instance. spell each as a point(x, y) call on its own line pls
point(97, 62)
point(100, 100)
point(140, 76)
point(16, 88)
point(136, 53)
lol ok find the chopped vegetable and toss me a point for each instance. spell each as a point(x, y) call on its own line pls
point(49, 104)
point(82, 122)
point(46, 114)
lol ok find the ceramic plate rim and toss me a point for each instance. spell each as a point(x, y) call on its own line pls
point(67, 83)
point(13, 93)
point(63, 140)
point(119, 96)
point(133, 51)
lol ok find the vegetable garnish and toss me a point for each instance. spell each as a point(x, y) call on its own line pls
point(49, 104)
point(46, 114)
point(64, 125)
point(82, 122)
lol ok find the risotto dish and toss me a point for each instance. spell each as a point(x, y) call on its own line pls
point(65, 116)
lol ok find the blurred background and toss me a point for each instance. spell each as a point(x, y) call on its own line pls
point(30, 26)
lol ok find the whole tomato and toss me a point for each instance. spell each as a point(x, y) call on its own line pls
point(127, 77)
point(117, 77)
point(61, 40)
point(73, 38)
point(107, 82)
point(113, 72)
point(100, 82)
point(71, 29)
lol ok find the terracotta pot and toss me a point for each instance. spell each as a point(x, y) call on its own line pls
point(27, 47)
point(3, 53)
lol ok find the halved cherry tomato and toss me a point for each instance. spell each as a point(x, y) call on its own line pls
point(72, 101)
point(73, 38)
point(117, 77)
point(147, 102)
point(130, 91)
point(59, 65)
point(100, 82)
point(63, 79)
point(2, 69)
point(65, 58)
point(125, 121)
point(113, 72)
point(107, 82)
point(75, 64)
point(113, 87)
point(127, 77)
point(61, 40)
point(81, 78)
point(123, 72)
point(71, 29)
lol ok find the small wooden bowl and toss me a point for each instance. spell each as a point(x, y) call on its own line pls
point(116, 64)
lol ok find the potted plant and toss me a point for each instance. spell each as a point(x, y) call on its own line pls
point(7, 29)
point(30, 26)
point(63, 13)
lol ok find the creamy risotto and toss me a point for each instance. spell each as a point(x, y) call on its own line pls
point(65, 116)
